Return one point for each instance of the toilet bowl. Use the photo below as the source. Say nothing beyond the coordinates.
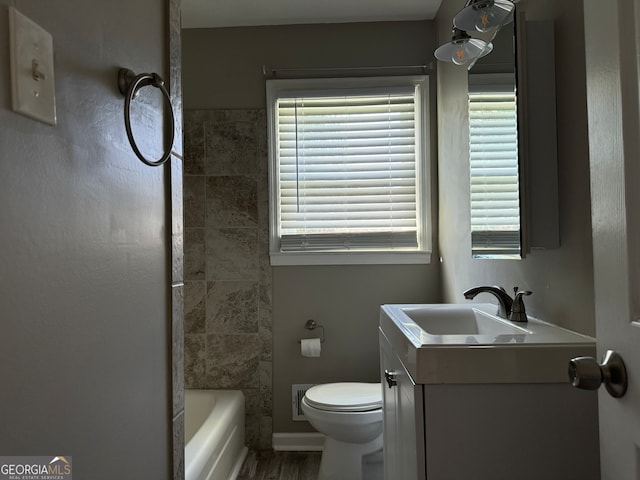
(350, 417)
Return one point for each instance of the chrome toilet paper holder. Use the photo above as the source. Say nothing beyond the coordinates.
(312, 325)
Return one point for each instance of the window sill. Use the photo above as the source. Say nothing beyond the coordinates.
(349, 258)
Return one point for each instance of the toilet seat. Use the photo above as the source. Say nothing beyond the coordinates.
(345, 397)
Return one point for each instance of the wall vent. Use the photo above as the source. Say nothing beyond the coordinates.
(297, 392)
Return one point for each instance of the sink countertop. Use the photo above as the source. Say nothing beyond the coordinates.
(538, 353)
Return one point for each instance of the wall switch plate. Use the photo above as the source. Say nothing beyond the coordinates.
(32, 87)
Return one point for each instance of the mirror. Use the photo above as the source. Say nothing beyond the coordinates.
(493, 151)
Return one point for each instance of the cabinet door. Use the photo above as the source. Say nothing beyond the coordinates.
(389, 410)
(403, 419)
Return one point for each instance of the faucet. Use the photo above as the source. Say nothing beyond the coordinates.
(512, 309)
(518, 313)
(505, 303)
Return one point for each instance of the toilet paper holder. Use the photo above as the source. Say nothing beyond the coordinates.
(312, 325)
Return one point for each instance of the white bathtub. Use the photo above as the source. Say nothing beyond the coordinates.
(214, 434)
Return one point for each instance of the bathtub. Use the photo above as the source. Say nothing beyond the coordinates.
(213, 434)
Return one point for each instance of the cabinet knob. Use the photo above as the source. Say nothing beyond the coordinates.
(588, 374)
(390, 377)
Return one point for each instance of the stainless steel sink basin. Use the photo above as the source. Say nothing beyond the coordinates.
(453, 319)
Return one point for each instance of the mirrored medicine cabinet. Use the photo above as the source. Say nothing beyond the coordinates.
(512, 143)
(493, 151)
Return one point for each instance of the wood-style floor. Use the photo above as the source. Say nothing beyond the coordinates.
(271, 465)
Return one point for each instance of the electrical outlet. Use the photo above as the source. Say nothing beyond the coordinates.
(32, 87)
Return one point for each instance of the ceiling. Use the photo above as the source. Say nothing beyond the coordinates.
(235, 13)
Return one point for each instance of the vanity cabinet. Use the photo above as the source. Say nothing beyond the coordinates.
(403, 418)
(485, 431)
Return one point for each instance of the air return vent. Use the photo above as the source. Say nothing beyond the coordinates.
(297, 392)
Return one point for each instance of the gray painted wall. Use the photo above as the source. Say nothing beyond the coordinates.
(85, 281)
(222, 68)
(561, 279)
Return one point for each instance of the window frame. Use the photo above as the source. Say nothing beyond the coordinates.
(278, 87)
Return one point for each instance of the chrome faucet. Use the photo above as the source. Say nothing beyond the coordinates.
(512, 309)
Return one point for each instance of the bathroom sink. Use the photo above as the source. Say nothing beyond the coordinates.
(453, 319)
(468, 343)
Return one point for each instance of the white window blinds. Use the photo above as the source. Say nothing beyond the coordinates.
(347, 170)
(493, 143)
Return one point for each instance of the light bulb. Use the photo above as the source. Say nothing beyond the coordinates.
(485, 20)
(484, 15)
(467, 50)
(462, 49)
(460, 55)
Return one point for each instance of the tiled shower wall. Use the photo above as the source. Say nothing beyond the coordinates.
(227, 302)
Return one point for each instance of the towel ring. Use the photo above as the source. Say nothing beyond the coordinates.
(129, 84)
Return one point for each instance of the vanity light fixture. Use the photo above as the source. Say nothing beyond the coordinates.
(476, 16)
(484, 15)
(462, 48)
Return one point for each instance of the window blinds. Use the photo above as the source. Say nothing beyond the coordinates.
(493, 144)
(347, 171)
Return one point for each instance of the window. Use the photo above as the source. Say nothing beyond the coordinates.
(493, 153)
(348, 168)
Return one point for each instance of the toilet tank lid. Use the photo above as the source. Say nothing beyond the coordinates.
(346, 396)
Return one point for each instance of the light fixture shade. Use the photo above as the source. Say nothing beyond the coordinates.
(484, 15)
(462, 48)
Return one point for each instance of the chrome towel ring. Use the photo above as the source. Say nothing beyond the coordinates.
(129, 84)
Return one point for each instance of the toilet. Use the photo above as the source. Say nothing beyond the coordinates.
(350, 416)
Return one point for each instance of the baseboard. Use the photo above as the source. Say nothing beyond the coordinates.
(298, 442)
